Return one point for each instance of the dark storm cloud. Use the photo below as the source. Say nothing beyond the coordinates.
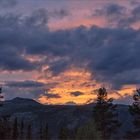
(37, 18)
(118, 15)
(111, 54)
(7, 3)
(16, 34)
(110, 10)
(117, 57)
(76, 93)
(61, 13)
(59, 66)
(131, 18)
(10, 60)
(25, 84)
(24, 93)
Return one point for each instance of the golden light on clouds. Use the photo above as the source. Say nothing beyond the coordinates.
(71, 81)
(127, 89)
(77, 80)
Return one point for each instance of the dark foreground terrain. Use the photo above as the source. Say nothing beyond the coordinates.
(58, 116)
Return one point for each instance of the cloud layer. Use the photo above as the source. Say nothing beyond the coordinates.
(105, 51)
(109, 53)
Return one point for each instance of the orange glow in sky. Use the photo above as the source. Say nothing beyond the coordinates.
(77, 80)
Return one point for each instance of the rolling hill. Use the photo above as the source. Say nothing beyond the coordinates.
(57, 116)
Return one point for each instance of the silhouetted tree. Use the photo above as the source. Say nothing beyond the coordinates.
(2, 129)
(41, 132)
(88, 131)
(135, 111)
(45, 132)
(29, 132)
(63, 134)
(7, 127)
(105, 115)
(67, 134)
(15, 134)
(22, 129)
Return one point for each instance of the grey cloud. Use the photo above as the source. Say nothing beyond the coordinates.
(10, 60)
(110, 10)
(76, 93)
(113, 13)
(17, 91)
(106, 52)
(61, 13)
(15, 33)
(25, 89)
(59, 66)
(118, 15)
(24, 84)
(7, 3)
(38, 18)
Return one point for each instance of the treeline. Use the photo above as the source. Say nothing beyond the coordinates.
(17, 130)
(104, 124)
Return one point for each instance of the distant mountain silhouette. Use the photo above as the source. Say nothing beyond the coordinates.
(20, 100)
(58, 115)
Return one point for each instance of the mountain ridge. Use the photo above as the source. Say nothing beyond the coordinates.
(58, 116)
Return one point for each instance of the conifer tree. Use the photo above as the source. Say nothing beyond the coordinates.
(63, 134)
(2, 129)
(41, 132)
(88, 131)
(45, 132)
(7, 127)
(22, 130)
(29, 132)
(105, 115)
(135, 112)
(15, 134)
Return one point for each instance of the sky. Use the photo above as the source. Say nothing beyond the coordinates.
(60, 52)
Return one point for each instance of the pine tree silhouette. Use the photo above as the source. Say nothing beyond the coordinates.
(45, 132)
(104, 114)
(135, 111)
(63, 134)
(7, 127)
(2, 129)
(41, 132)
(29, 132)
(22, 130)
(15, 130)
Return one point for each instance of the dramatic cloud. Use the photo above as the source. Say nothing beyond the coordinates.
(109, 53)
(49, 95)
(111, 10)
(59, 13)
(8, 3)
(119, 16)
(10, 60)
(25, 84)
(76, 93)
